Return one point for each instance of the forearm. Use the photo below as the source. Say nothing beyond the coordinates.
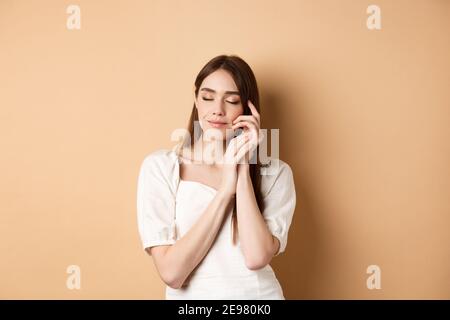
(182, 257)
(257, 242)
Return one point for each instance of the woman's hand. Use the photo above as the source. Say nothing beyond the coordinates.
(231, 158)
(241, 148)
(251, 125)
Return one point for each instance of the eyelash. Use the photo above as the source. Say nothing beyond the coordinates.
(237, 102)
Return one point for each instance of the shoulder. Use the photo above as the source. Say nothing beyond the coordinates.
(162, 161)
(276, 174)
(159, 169)
(159, 158)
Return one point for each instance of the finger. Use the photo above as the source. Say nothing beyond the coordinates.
(246, 118)
(240, 141)
(253, 110)
(250, 129)
(235, 145)
(245, 150)
(250, 139)
(240, 154)
(242, 124)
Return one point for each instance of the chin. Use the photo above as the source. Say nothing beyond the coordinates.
(218, 133)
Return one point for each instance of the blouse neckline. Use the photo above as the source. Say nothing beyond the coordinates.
(177, 159)
(214, 190)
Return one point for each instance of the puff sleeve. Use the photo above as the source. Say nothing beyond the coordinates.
(279, 202)
(155, 203)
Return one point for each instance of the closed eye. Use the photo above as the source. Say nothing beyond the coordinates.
(232, 102)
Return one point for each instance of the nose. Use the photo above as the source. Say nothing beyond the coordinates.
(218, 109)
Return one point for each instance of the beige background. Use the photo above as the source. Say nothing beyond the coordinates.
(364, 120)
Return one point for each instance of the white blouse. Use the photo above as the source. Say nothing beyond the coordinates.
(167, 207)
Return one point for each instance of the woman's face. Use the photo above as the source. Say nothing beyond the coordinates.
(218, 102)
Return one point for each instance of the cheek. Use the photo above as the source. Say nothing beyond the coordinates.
(201, 109)
(236, 113)
(203, 113)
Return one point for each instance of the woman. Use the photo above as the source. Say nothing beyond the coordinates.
(212, 227)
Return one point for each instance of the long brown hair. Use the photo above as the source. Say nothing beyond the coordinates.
(245, 81)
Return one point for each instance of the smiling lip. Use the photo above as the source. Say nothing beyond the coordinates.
(217, 124)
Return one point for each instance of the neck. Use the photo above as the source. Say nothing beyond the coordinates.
(209, 152)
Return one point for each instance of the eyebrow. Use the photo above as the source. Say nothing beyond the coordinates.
(214, 91)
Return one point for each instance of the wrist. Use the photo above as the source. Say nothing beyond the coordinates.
(243, 179)
(244, 171)
(227, 192)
